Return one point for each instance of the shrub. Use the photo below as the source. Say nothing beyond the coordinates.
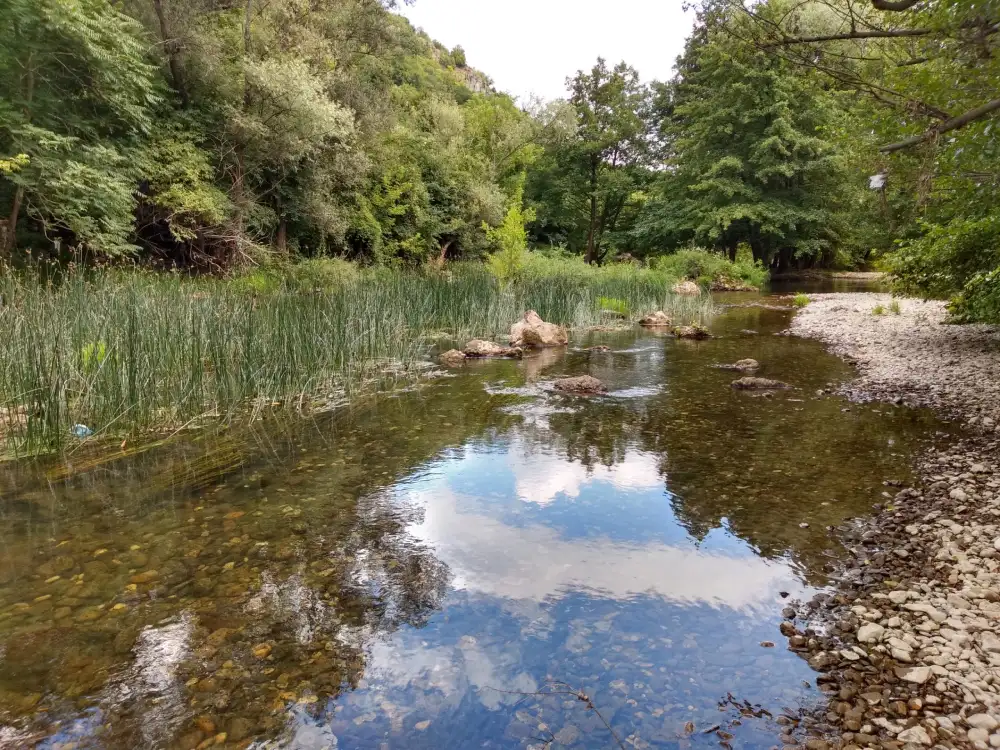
(707, 267)
(800, 300)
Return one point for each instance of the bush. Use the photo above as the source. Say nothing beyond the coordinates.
(313, 274)
(708, 268)
(800, 300)
(960, 259)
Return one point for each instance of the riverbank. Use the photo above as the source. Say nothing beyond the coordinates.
(907, 641)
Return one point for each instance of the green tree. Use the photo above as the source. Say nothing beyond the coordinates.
(76, 96)
(590, 177)
(749, 159)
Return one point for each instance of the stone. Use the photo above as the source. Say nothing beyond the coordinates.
(758, 384)
(958, 494)
(687, 288)
(532, 331)
(978, 735)
(452, 358)
(743, 365)
(899, 597)
(870, 632)
(659, 319)
(262, 650)
(788, 629)
(480, 348)
(916, 675)
(420, 726)
(584, 384)
(917, 735)
(982, 721)
(924, 608)
(989, 642)
(695, 332)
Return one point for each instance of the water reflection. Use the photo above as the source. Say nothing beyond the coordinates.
(413, 572)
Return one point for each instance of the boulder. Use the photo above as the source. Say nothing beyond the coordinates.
(695, 332)
(758, 384)
(531, 330)
(582, 384)
(744, 365)
(659, 319)
(688, 288)
(452, 358)
(480, 348)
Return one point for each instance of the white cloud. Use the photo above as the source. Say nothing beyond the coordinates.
(531, 46)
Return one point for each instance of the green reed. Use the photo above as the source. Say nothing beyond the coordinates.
(128, 353)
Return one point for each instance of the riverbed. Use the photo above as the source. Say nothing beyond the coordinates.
(475, 562)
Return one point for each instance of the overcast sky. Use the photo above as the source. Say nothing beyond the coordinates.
(530, 46)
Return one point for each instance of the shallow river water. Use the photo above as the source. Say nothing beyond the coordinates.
(445, 567)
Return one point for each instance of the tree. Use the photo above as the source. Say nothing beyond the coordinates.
(748, 161)
(77, 97)
(589, 177)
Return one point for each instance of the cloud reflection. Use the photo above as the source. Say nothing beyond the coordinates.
(535, 562)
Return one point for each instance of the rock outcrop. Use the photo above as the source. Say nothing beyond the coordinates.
(659, 319)
(480, 348)
(687, 288)
(695, 332)
(452, 358)
(584, 384)
(532, 331)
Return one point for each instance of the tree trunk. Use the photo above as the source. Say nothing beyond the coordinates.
(172, 49)
(282, 239)
(592, 233)
(9, 239)
(444, 252)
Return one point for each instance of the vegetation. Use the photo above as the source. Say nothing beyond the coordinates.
(126, 353)
(800, 300)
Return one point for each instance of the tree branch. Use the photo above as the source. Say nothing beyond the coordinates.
(894, 5)
(870, 34)
(948, 125)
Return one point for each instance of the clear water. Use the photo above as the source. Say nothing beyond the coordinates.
(449, 566)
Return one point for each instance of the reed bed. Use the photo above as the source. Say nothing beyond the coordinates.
(137, 353)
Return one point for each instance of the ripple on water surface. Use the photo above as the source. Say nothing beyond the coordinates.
(447, 567)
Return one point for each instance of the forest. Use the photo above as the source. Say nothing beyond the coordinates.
(220, 135)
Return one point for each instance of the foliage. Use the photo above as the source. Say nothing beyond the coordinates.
(894, 307)
(878, 310)
(800, 300)
(751, 163)
(131, 352)
(589, 183)
(706, 266)
(511, 241)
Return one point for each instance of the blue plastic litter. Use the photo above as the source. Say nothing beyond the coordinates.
(81, 431)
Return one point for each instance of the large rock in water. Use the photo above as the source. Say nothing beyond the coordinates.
(581, 384)
(531, 330)
(480, 348)
(759, 384)
(659, 319)
(452, 358)
(743, 365)
(688, 288)
(696, 332)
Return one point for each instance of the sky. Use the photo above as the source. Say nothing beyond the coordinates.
(529, 47)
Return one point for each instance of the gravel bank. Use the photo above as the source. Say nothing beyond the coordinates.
(908, 642)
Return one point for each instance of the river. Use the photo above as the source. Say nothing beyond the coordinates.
(455, 564)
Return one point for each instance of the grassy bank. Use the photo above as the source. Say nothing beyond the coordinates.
(130, 353)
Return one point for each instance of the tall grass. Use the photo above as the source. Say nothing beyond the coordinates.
(136, 352)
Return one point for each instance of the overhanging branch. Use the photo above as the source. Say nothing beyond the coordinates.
(945, 127)
(894, 5)
(847, 35)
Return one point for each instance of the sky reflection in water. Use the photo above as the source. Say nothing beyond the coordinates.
(419, 576)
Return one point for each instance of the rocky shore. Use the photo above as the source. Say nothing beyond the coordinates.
(908, 641)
